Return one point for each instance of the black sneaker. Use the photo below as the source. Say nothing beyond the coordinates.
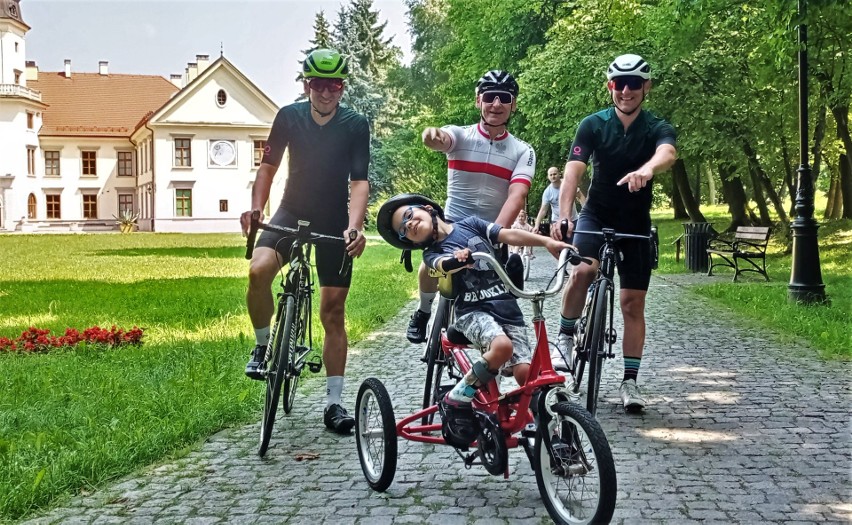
(258, 355)
(416, 332)
(337, 419)
(459, 427)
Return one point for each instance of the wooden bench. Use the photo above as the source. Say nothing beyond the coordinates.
(748, 245)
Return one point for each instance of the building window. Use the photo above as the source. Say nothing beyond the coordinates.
(125, 164)
(221, 97)
(31, 207)
(30, 120)
(51, 163)
(259, 147)
(183, 203)
(125, 203)
(90, 206)
(90, 165)
(223, 205)
(183, 153)
(17, 77)
(53, 206)
(30, 161)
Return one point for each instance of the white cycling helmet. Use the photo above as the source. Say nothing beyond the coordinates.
(628, 65)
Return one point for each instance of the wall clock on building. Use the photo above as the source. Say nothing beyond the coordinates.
(222, 153)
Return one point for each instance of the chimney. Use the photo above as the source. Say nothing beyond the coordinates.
(67, 68)
(103, 67)
(203, 61)
(32, 70)
(177, 80)
(191, 71)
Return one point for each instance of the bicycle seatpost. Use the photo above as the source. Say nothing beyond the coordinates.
(252, 234)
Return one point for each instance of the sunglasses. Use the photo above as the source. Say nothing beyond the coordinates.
(407, 215)
(505, 97)
(632, 83)
(333, 85)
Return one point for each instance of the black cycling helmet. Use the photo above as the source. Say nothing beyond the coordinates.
(384, 221)
(497, 80)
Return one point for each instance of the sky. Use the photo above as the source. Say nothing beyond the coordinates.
(263, 38)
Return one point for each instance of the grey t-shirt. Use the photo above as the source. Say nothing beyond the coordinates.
(551, 196)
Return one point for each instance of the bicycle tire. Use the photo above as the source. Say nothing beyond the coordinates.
(275, 369)
(577, 479)
(596, 340)
(296, 336)
(375, 434)
(434, 359)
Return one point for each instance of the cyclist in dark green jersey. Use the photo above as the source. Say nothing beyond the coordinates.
(329, 152)
(627, 146)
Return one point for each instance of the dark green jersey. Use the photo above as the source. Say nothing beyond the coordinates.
(322, 161)
(614, 153)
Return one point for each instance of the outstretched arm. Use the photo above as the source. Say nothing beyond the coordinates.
(662, 160)
(525, 238)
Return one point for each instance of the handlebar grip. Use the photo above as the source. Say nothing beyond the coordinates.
(563, 228)
(346, 265)
(252, 234)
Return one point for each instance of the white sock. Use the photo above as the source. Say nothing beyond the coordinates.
(262, 335)
(334, 390)
(426, 301)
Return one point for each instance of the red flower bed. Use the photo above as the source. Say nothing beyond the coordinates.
(37, 340)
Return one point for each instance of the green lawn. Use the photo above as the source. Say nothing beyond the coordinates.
(826, 327)
(74, 419)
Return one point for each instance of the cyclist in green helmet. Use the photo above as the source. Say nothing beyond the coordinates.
(329, 152)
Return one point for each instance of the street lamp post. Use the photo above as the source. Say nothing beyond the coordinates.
(805, 276)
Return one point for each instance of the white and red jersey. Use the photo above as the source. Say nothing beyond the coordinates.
(480, 171)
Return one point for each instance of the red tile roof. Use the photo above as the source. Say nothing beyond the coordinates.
(91, 104)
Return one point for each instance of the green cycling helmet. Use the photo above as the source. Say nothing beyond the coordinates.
(325, 63)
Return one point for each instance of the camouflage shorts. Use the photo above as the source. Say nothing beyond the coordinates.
(480, 328)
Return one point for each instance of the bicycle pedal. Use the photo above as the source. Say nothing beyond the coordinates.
(314, 365)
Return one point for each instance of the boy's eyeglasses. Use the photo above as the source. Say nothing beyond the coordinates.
(504, 96)
(632, 83)
(333, 85)
(407, 215)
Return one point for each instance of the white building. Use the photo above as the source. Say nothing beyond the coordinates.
(77, 149)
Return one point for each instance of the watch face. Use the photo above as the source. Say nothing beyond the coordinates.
(222, 153)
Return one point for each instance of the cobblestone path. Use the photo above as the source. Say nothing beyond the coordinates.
(742, 427)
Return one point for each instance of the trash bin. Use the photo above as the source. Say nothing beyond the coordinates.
(696, 236)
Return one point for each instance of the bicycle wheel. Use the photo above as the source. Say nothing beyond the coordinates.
(295, 339)
(595, 341)
(375, 434)
(435, 358)
(577, 478)
(276, 369)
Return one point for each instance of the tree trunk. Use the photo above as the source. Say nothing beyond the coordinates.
(832, 191)
(732, 189)
(711, 184)
(846, 185)
(841, 117)
(681, 179)
(816, 151)
(837, 199)
(759, 177)
(677, 203)
(789, 180)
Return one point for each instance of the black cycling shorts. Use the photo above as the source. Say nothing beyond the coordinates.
(328, 256)
(634, 267)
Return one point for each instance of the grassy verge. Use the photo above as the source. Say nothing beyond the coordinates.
(826, 327)
(74, 419)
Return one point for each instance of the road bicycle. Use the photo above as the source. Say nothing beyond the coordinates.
(594, 334)
(565, 445)
(290, 339)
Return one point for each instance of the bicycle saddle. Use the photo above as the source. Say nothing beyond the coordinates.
(456, 337)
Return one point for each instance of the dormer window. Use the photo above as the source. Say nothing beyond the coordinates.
(221, 98)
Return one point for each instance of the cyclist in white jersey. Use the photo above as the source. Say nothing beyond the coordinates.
(489, 172)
